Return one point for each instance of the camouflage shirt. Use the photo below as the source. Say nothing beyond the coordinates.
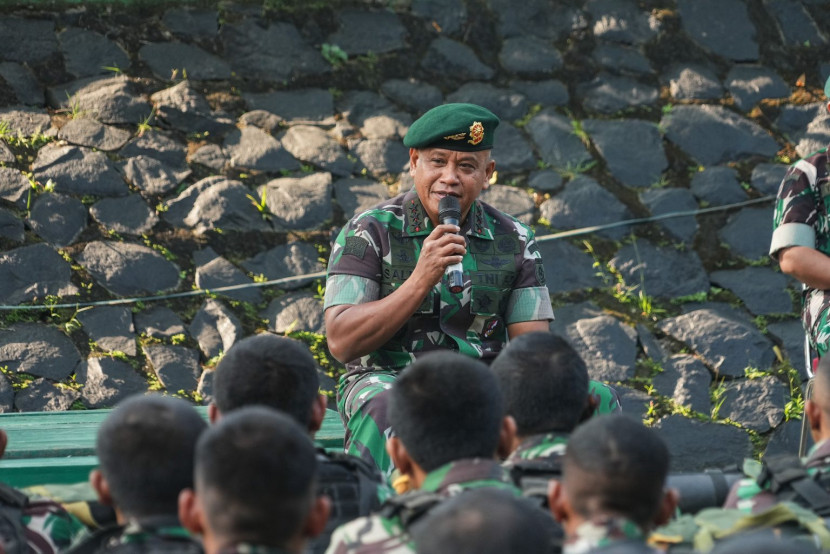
(47, 527)
(504, 280)
(535, 447)
(377, 534)
(244, 548)
(152, 534)
(603, 534)
(802, 219)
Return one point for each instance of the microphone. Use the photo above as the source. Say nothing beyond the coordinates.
(449, 213)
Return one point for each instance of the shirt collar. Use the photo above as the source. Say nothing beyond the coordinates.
(462, 472)
(417, 222)
(601, 532)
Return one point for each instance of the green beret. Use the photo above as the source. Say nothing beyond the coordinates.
(464, 127)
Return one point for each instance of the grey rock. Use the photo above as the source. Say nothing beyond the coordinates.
(189, 22)
(219, 272)
(536, 17)
(554, 138)
(159, 322)
(512, 201)
(757, 404)
(23, 82)
(128, 269)
(6, 395)
(622, 59)
(750, 84)
(731, 34)
(25, 120)
(551, 92)
(111, 327)
(215, 328)
(583, 203)
(44, 396)
(87, 53)
(633, 149)
(382, 157)
(107, 99)
(576, 274)
(58, 219)
(105, 382)
(299, 204)
(546, 180)
(415, 95)
(608, 94)
(786, 438)
(690, 443)
(450, 15)
(693, 82)
(275, 53)
(296, 311)
(505, 103)
(717, 186)
(448, 57)
(296, 107)
(766, 178)
(186, 110)
(668, 200)
(211, 156)
(38, 350)
(512, 152)
(162, 147)
(31, 272)
(170, 59)
(315, 146)
(84, 131)
(215, 202)
(791, 335)
(529, 56)
(11, 226)
(287, 260)
(206, 385)
(386, 124)
(129, 215)
(262, 119)
(762, 290)
(748, 232)
(816, 137)
(686, 381)
(713, 134)
(176, 367)
(651, 346)
(660, 272)
(14, 186)
(77, 170)
(149, 175)
(793, 120)
(387, 32)
(795, 25)
(6, 155)
(358, 195)
(27, 40)
(724, 338)
(634, 403)
(252, 148)
(356, 106)
(622, 21)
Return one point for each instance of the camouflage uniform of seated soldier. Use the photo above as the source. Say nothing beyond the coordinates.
(447, 411)
(255, 489)
(612, 493)
(33, 525)
(751, 497)
(145, 452)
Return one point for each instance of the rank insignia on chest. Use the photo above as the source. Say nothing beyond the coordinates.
(495, 261)
(490, 327)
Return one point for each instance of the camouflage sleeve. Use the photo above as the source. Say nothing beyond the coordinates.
(530, 299)
(370, 534)
(355, 263)
(55, 528)
(349, 289)
(795, 209)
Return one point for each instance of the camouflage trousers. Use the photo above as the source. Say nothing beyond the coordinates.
(362, 401)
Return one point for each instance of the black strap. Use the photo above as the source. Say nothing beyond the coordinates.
(410, 507)
(10, 496)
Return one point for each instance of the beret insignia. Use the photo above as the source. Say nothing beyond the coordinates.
(476, 133)
(457, 136)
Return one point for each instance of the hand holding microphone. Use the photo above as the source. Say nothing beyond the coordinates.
(449, 213)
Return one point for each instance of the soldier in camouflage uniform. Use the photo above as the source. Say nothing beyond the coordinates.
(385, 304)
(255, 490)
(801, 239)
(447, 413)
(32, 525)
(612, 490)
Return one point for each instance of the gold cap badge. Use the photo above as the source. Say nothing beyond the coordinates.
(476, 133)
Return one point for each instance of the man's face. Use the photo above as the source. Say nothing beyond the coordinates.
(438, 173)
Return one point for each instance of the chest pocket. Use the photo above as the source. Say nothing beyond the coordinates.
(488, 300)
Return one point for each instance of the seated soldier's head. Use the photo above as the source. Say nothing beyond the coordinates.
(817, 407)
(269, 370)
(446, 407)
(254, 484)
(145, 454)
(613, 468)
(544, 382)
(486, 521)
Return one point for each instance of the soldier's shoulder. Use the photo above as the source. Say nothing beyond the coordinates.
(505, 220)
(373, 533)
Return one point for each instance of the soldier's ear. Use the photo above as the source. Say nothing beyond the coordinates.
(668, 506)
(213, 414)
(4, 440)
(557, 502)
(413, 160)
(318, 413)
(190, 512)
(507, 437)
(400, 456)
(591, 404)
(101, 487)
(318, 516)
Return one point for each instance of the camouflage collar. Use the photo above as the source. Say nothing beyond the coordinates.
(543, 445)
(819, 455)
(168, 527)
(244, 548)
(417, 222)
(600, 532)
(470, 472)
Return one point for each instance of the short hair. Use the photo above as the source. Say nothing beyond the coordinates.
(255, 476)
(446, 407)
(614, 464)
(267, 370)
(486, 521)
(145, 452)
(544, 382)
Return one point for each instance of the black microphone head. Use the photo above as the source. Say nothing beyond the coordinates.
(449, 208)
